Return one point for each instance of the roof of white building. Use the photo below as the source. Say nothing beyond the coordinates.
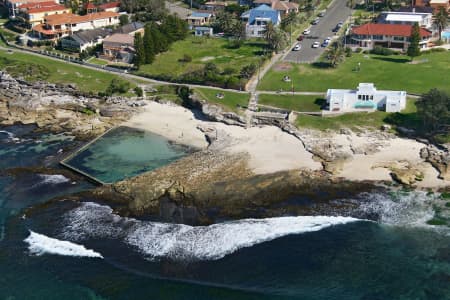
(438, 1)
(402, 17)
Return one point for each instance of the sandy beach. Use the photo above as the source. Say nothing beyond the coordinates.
(271, 150)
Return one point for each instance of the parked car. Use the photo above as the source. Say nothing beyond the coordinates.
(300, 38)
(297, 47)
(306, 31)
(325, 43)
(328, 39)
(315, 21)
(322, 13)
(316, 45)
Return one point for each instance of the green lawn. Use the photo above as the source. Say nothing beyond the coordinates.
(203, 50)
(41, 68)
(407, 118)
(387, 72)
(231, 100)
(96, 61)
(305, 103)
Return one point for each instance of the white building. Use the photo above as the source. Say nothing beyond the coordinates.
(407, 18)
(257, 19)
(365, 97)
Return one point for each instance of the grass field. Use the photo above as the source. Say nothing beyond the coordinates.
(387, 72)
(231, 101)
(407, 118)
(304, 103)
(86, 80)
(203, 50)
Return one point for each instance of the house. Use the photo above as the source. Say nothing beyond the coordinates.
(34, 13)
(284, 7)
(108, 6)
(365, 97)
(387, 35)
(203, 31)
(13, 5)
(131, 28)
(257, 19)
(214, 5)
(198, 19)
(424, 20)
(119, 47)
(417, 9)
(57, 26)
(437, 4)
(81, 40)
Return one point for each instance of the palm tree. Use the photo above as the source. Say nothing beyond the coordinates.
(335, 54)
(441, 20)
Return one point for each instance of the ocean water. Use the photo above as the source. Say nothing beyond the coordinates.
(125, 152)
(68, 250)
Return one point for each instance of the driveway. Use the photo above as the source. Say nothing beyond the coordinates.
(338, 11)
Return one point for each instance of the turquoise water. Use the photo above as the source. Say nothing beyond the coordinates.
(399, 257)
(125, 152)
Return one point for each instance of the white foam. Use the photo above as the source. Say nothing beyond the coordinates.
(40, 244)
(9, 134)
(400, 208)
(183, 242)
(53, 179)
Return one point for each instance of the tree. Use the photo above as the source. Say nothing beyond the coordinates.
(441, 20)
(248, 71)
(123, 19)
(139, 57)
(238, 32)
(335, 54)
(434, 109)
(275, 37)
(148, 44)
(414, 40)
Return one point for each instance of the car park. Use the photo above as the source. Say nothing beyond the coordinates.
(315, 45)
(306, 31)
(297, 47)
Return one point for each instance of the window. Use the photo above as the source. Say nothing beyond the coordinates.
(371, 97)
(377, 37)
(398, 38)
(359, 97)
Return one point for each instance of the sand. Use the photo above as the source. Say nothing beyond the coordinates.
(271, 150)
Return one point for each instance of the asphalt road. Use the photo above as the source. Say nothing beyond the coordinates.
(338, 11)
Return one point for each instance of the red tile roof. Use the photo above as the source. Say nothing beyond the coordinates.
(36, 4)
(109, 5)
(388, 29)
(90, 5)
(72, 19)
(46, 8)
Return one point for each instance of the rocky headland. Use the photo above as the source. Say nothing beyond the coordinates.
(238, 172)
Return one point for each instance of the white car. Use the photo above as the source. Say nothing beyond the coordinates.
(328, 39)
(297, 47)
(316, 45)
(306, 31)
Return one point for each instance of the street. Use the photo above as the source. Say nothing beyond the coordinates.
(338, 11)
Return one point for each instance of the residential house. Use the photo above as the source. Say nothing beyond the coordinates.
(214, 5)
(119, 47)
(108, 6)
(34, 13)
(437, 4)
(284, 7)
(387, 35)
(416, 9)
(365, 97)
(257, 19)
(199, 19)
(424, 20)
(13, 5)
(203, 31)
(81, 40)
(131, 28)
(57, 26)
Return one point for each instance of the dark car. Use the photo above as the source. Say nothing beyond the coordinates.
(315, 21)
(300, 38)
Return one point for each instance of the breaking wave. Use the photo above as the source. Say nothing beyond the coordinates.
(9, 134)
(183, 242)
(40, 244)
(53, 179)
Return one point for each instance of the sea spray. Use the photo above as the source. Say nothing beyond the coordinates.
(40, 244)
(183, 242)
(53, 179)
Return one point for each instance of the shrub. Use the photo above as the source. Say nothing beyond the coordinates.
(382, 51)
(186, 58)
(228, 71)
(138, 91)
(117, 86)
(348, 51)
(248, 71)
(358, 50)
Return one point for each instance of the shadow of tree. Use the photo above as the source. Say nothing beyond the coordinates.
(391, 59)
(321, 65)
(320, 102)
(409, 120)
